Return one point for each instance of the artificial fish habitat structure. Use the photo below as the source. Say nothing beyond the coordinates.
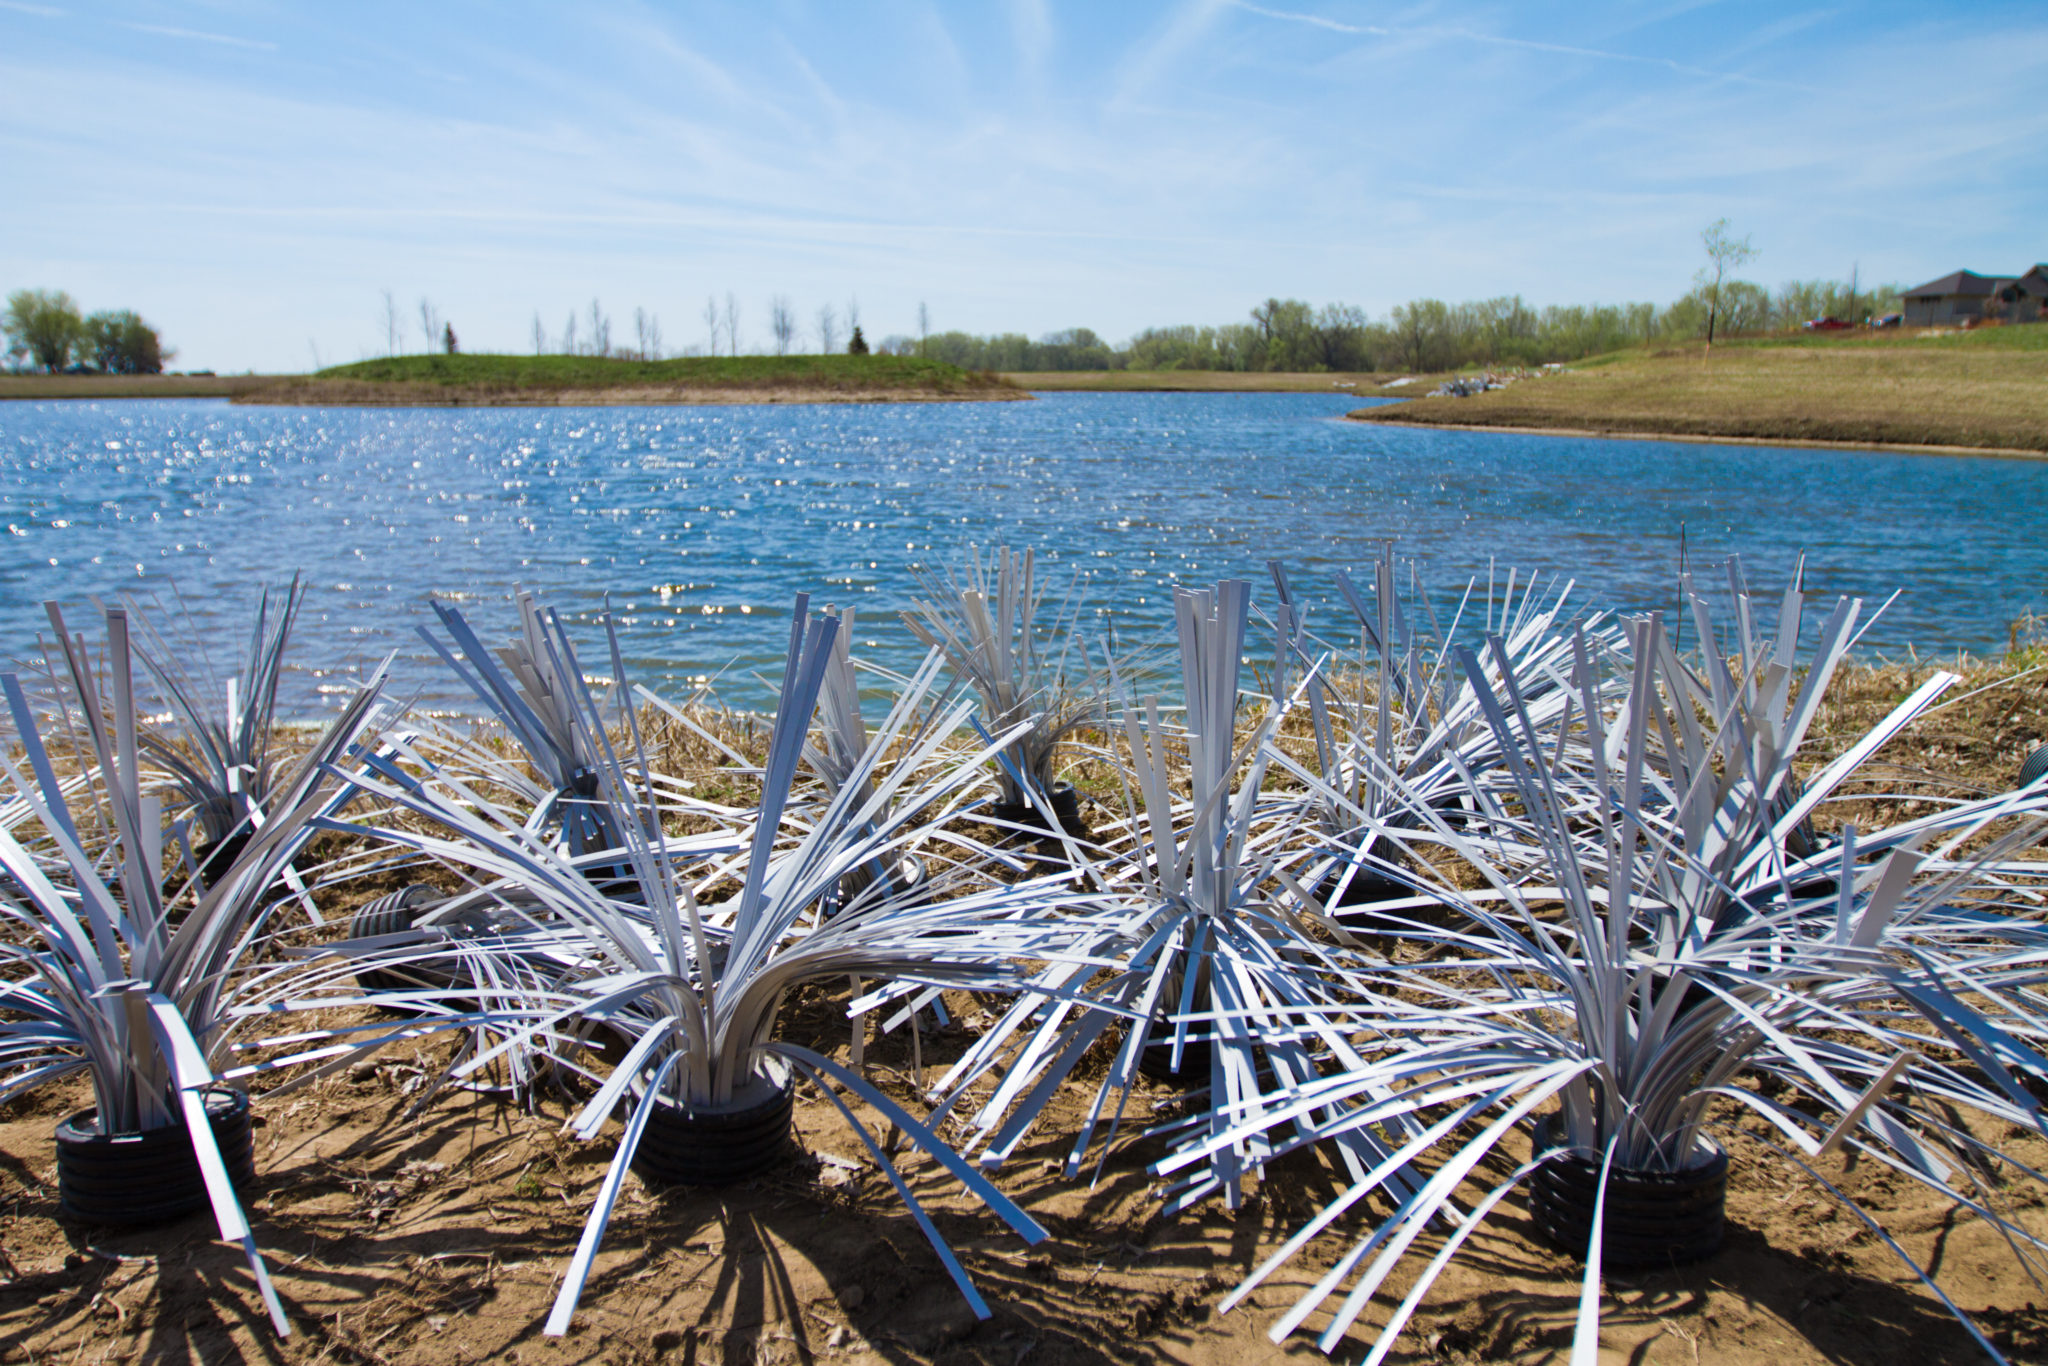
(1524, 909)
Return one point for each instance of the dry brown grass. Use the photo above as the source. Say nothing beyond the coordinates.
(129, 386)
(1904, 393)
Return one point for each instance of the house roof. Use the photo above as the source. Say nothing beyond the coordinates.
(1965, 282)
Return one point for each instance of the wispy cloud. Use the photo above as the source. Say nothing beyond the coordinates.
(1312, 20)
(1444, 34)
(1166, 46)
(1023, 166)
(195, 35)
(1032, 30)
(1772, 34)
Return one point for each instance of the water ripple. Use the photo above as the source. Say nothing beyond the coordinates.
(702, 522)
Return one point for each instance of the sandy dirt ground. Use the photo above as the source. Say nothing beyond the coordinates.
(441, 1238)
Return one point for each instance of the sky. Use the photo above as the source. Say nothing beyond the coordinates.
(253, 177)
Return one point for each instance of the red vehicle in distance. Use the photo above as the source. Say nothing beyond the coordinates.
(1827, 325)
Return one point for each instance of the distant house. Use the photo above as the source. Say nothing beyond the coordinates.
(1967, 296)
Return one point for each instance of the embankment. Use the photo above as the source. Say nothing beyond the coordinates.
(547, 381)
(1980, 392)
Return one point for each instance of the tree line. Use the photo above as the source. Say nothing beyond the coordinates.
(46, 330)
(1279, 334)
(1425, 334)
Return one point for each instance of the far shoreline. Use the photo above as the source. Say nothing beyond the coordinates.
(319, 394)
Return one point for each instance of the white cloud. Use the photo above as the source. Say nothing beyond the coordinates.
(1026, 168)
(195, 35)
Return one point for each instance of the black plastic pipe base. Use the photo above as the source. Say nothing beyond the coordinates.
(1652, 1218)
(717, 1147)
(1155, 1060)
(393, 913)
(2033, 766)
(151, 1177)
(908, 874)
(1066, 807)
(1355, 905)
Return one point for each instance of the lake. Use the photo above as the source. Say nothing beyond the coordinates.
(702, 522)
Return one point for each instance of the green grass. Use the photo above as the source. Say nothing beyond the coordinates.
(596, 372)
(2031, 337)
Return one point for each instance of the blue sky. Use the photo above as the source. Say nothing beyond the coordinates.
(251, 177)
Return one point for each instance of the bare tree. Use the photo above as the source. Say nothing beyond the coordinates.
(853, 315)
(640, 333)
(540, 335)
(1724, 253)
(600, 331)
(430, 324)
(924, 327)
(782, 322)
(392, 324)
(711, 320)
(569, 334)
(653, 337)
(828, 330)
(732, 323)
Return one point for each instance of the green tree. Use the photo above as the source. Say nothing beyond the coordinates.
(43, 324)
(1724, 253)
(1339, 337)
(1423, 331)
(1174, 348)
(121, 343)
(859, 345)
(1287, 331)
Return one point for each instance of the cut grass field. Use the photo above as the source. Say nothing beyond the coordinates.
(486, 381)
(1975, 391)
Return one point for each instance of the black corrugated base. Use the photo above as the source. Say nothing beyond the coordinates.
(150, 1177)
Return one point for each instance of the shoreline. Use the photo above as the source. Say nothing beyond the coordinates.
(1369, 417)
(89, 388)
(302, 395)
(1361, 384)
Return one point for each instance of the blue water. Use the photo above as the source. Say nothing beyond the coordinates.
(703, 522)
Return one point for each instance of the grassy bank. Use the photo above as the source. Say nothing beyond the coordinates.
(484, 380)
(129, 386)
(1985, 391)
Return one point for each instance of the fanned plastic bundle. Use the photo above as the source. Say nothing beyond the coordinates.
(101, 978)
(691, 993)
(1672, 948)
